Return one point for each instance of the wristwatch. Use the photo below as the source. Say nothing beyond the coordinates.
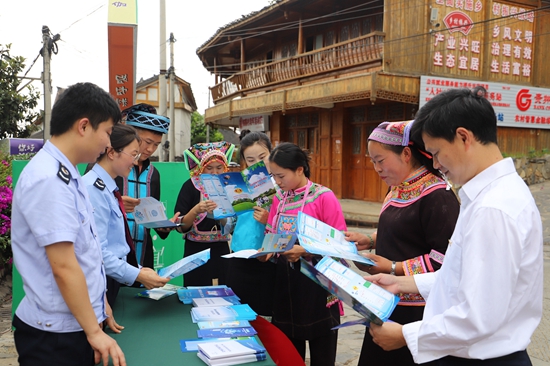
(392, 272)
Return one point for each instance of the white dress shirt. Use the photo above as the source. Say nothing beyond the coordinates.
(486, 300)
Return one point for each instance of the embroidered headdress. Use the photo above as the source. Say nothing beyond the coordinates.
(145, 116)
(392, 133)
(198, 156)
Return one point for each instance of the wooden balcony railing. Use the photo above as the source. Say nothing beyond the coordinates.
(347, 54)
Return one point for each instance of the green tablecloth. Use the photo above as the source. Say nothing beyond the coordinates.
(153, 330)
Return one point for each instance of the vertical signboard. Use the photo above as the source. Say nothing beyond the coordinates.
(476, 39)
(457, 41)
(122, 38)
(510, 38)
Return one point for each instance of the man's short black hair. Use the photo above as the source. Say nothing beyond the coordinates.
(455, 108)
(83, 100)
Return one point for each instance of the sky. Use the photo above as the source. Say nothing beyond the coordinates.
(82, 51)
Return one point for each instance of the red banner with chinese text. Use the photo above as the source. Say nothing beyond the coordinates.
(122, 63)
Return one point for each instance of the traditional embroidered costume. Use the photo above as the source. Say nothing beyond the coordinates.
(144, 181)
(416, 221)
(205, 232)
(302, 309)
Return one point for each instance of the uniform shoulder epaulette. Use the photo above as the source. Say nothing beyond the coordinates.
(64, 174)
(99, 184)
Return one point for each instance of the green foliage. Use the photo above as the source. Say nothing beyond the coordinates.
(6, 196)
(16, 108)
(198, 130)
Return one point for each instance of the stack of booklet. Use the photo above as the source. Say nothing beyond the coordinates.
(231, 352)
(186, 295)
(225, 336)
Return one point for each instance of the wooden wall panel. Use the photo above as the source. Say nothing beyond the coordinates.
(275, 127)
(405, 46)
(522, 141)
(337, 147)
(541, 74)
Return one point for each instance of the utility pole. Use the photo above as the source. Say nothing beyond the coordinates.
(172, 130)
(162, 76)
(46, 80)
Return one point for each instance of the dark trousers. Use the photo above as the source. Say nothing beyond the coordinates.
(322, 350)
(520, 358)
(112, 290)
(37, 347)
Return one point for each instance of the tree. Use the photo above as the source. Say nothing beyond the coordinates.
(198, 130)
(16, 108)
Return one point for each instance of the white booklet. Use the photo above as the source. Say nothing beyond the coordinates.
(230, 348)
(152, 214)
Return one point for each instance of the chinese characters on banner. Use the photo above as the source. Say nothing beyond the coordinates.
(511, 42)
(122, 35)
(459, 42)
(514, 105)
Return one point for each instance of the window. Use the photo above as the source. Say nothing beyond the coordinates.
(344, 33)
(355, 30)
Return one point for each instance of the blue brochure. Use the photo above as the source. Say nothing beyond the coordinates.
(319, 238)
(272, 243)
(238, 192)
(224, 324)
(371, 301)
(231, 332)
(219, 313)
(191, 345)
(186, 295)
(185, 265)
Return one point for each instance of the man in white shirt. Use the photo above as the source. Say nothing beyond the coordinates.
(485, 302)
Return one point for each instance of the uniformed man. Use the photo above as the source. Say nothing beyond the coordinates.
(54, 240)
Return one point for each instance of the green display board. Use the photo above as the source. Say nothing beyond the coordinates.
(167, 251)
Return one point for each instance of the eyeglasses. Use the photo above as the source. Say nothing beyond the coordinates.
(136, 157)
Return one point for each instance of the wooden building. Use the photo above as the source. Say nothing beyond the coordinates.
(324, 73)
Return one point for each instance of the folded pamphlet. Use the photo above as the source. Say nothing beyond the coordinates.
(160, 293)
(371, 301)
(272, 243)
(238, 192)
(319, 238)
(151, 214)
(185, 264)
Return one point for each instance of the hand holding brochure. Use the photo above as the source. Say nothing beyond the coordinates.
(319, 238)
(273, 243)
(371, 301)
(237, 192)
(151, 214)
(185, 265)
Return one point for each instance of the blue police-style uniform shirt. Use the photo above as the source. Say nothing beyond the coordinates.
(110, 225)
(51, 205)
